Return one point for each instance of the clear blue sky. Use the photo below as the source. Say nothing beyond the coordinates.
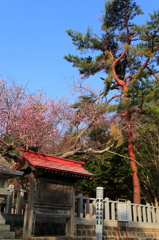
(33, 39)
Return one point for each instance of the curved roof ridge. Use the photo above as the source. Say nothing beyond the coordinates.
(44, 154)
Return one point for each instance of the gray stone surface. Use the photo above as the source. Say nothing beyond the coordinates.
(7, 235)
(2, 220)
(4, 227)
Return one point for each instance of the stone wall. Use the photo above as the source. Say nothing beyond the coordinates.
(43, 227)
(86, 228)
(113, 230)
(16, 223)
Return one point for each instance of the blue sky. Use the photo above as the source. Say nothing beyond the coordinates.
(33, 40)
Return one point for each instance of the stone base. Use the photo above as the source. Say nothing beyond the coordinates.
(61, 238)
(4, 228)
(7, 235)
(5, 232)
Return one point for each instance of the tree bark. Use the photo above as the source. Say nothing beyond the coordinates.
(133, 164)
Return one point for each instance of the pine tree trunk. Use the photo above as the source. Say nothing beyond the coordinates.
(133, 165)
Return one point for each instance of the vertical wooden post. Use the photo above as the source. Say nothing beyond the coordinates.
(71, 223)
(28, 217)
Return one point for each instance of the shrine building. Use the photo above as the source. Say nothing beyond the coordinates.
(50, 182)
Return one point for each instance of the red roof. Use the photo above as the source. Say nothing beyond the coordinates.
(49, 162)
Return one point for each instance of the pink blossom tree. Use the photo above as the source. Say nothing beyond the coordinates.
(49, 125)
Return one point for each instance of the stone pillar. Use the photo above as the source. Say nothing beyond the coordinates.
(10, 199)
(20, 201)
(80, 206)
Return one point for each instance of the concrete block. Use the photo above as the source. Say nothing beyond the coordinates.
(7, 235)
(4, 227)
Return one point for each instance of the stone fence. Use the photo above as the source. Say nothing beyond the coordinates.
(143, 221)
(138, 213)
(86, 208)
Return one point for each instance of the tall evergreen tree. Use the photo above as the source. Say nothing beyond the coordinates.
(147, 146)
(128, 55)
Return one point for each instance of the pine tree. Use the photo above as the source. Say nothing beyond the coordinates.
(128, 55)
(147, 146)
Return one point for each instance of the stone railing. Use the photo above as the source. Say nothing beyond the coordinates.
(86, 209)
(15, 202)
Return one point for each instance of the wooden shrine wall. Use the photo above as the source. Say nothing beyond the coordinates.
(52, 193)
